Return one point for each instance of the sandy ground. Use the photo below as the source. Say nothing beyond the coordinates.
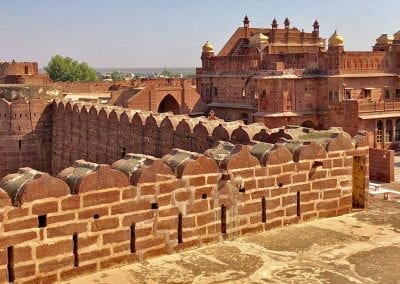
(362, 247)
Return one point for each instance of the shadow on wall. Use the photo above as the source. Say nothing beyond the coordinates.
(25, 135)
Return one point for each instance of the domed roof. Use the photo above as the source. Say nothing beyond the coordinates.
(385, 39)
(207, 47)
(259, 38)
(336, 39)
(397, 36)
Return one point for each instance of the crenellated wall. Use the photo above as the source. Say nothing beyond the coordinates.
(93, 216)
(25, 135)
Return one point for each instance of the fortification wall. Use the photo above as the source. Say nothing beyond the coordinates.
(95, 216)
(25, 135)
(381, 165)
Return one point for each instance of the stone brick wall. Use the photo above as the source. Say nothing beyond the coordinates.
(93, 216)
(381, 163)
(25, 135)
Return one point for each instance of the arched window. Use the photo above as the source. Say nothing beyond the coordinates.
(379, 131)
(389, 131)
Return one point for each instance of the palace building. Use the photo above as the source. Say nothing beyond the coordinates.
(284, 75)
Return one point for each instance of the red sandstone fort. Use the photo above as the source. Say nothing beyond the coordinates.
(119, 172)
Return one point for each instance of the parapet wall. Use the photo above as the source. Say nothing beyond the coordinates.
(93, 216)
(103, 134)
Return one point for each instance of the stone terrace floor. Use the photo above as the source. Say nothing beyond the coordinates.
(362, 247)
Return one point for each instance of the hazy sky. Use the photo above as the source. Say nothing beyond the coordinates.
(157, 33)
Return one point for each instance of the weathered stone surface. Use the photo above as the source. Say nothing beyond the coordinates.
(84, 176)
(29, 185)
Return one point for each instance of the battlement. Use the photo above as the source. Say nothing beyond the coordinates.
(92, 216)
(103, 134)
(127, 185)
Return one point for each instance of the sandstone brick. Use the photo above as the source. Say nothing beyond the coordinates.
(212, 180)
(289, 200)
(94, 255)
(327, 205)
(164, 200)
(275, 214)
(188, 222)
(170, 223)
(66, 229)
(197, 181)
(22, 254)
(89, 213)
(24, 271)
(303, 166)
(279, 191)
(291, 167)
(17, 213)
(24, 224)
(328, 194)
(197, 207)
(249, 208)
(104, 224)
(204, 191)
(150, 243)
(284, 180)
(100, 197)
(274, 170)
(128, 193)
(134, 218)
(265, 182)
(56, 264)
(297, 178)
(345, 201)
(206, 218)
(324, 184)
(76, 271)
(17, 238)
(71, 203)
(165, 212)
(309, 196)
(182, 195)
(87, 241)
(250, 185)
(341, 172)
(147, 189)
(52, 249)
(116, 237)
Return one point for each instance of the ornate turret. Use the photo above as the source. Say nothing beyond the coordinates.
(274, 24)
(315, 32)
(286, 23)
(246, 24)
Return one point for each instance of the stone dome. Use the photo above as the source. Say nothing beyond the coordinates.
(385, 39)
(336, 39)
(207, 47)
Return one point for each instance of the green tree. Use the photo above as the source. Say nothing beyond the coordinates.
(167, 73)
(116, 76)
(67, 69)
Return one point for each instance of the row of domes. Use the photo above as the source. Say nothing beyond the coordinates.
(335, 40)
